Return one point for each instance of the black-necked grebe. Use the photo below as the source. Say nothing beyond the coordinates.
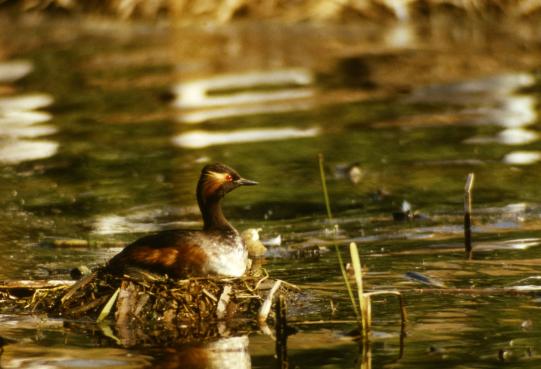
(216, 250)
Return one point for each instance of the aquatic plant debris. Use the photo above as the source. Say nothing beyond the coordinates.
(429, 281)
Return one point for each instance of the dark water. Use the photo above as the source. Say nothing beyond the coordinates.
(104, 128)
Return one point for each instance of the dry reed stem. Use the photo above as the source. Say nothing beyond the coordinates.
(364, 300)
(467, 215)
(265, 309)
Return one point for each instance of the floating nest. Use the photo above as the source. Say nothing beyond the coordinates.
(146, 299)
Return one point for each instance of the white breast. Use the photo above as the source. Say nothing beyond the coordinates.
(228, 259)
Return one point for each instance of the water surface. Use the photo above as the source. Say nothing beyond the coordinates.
(104, 128)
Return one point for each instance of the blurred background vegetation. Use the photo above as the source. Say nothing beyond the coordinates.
(222, 11)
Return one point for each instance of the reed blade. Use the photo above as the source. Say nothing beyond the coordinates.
(364, 302)
(336, 248)
(107, 308)
(324, 187)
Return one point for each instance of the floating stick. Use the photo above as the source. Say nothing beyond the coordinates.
(467, 215)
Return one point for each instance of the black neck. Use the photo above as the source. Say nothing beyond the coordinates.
(211, 210)
(213, 217)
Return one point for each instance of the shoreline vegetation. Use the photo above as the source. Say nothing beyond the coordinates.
(225, 11)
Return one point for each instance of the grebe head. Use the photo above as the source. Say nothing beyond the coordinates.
(218, 179)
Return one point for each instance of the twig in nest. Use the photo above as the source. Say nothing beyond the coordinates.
(263, 279)
(77, 286)
(267, 304)
(209, 295)
(221, 308)
(291, 286)
(91, 305)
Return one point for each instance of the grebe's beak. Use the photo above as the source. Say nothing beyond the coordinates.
(245, 182)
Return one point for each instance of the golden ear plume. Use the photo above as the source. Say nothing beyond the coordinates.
(213, 181)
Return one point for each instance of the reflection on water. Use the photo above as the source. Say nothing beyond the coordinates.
(482, 89)
(198, 116)
(491, 101)
(250, 93)
(25, 103)
(517, 136)
(20, 120)
(512, 111)
(39, 357)
(224, 353)
(17, 151)
(146, 220)
(11, 71)
(509, 136)
(223, 96)
(522, 157)
(53, 344)
(50, 346)
(198, 93)
(199, 139)
(494, 101)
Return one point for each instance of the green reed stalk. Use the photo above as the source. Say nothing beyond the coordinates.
(339, 256)
(324, 186)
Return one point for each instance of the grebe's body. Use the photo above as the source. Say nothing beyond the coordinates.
(180, 253)
(217, 249)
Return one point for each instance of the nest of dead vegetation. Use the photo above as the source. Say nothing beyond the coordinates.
(147, 298)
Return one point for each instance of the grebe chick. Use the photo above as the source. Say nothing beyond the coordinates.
(217, 249)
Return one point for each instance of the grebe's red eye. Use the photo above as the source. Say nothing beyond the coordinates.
(228, 178)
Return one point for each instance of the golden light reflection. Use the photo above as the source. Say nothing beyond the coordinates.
(200, 139)
(494, 101)
(10, 71)
(21, 121)
(239, 94)
(522, 157)
(143, 220)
